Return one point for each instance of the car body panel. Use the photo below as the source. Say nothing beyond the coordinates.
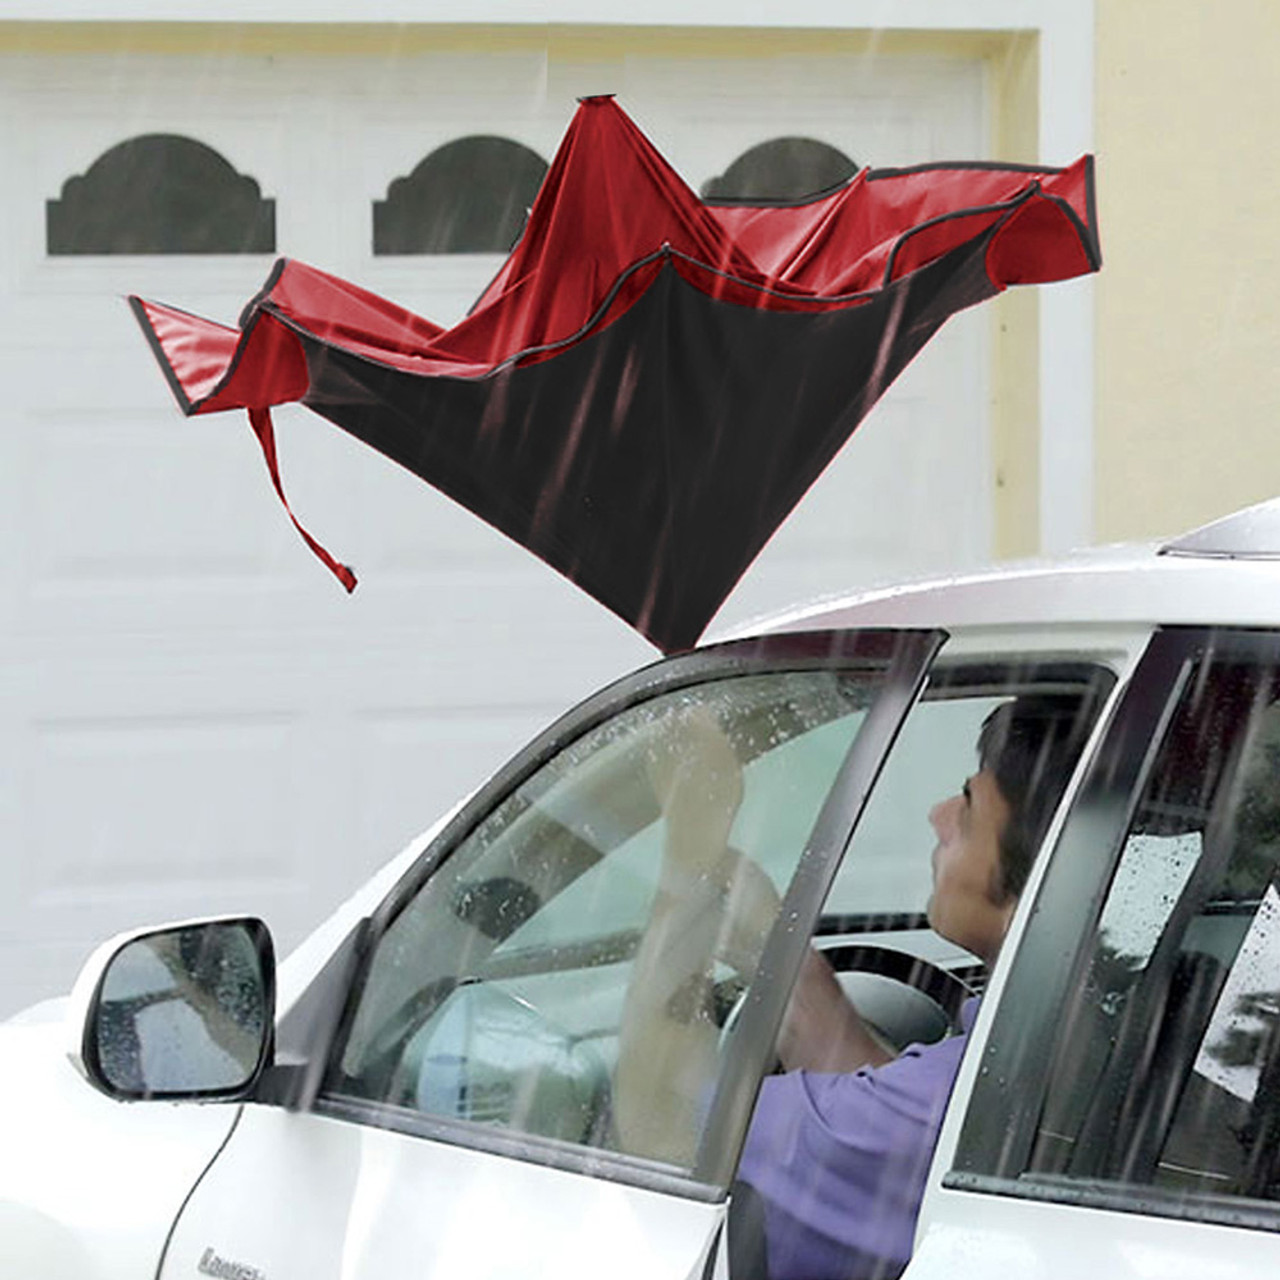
(353, 1202)
(992, 1236)
(1109, 587)
(89, 1187)
(317, 1194)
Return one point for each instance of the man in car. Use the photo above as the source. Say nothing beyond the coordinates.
(840, 1145)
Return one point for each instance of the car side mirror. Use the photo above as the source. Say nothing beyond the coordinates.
(183, 1011)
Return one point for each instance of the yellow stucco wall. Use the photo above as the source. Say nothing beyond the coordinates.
(1014, 75)
(1188, 303)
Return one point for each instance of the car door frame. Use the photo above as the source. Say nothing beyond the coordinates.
(312, 1032)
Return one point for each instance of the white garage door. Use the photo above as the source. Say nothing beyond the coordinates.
(193, 716)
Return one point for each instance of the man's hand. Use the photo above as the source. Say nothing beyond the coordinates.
(697, 779)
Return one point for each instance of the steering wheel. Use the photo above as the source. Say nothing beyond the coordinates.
(905, 999)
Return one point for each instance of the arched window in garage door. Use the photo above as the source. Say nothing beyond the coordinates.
(471, 195)
(160, 193)
(781, 169)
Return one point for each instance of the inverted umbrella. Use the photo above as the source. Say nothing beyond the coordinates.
(652, 381)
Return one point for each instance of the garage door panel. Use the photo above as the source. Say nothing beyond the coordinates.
(704, 113)
(86, 100)
(117, 513)
(458, 84)
(132, 819)
(407, 755)
(70, 297)
(157, 789)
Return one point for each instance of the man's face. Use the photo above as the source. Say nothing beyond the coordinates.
(966, 906)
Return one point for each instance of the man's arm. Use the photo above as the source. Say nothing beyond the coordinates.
(667, 1040)
(822, 1031)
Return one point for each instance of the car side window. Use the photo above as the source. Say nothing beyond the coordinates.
(1164, 1077)
(874, 925)
(568, 972)
(887, 871)
(1166, 1074)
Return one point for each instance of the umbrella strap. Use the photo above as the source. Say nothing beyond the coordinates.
(260, 421)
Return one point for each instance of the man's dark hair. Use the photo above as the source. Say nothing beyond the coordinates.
(1030, 745)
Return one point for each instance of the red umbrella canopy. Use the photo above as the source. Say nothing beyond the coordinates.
(652, 381)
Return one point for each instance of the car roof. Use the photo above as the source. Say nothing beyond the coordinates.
(1227, 572)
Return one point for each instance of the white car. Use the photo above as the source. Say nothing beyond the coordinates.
(444, 1080)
